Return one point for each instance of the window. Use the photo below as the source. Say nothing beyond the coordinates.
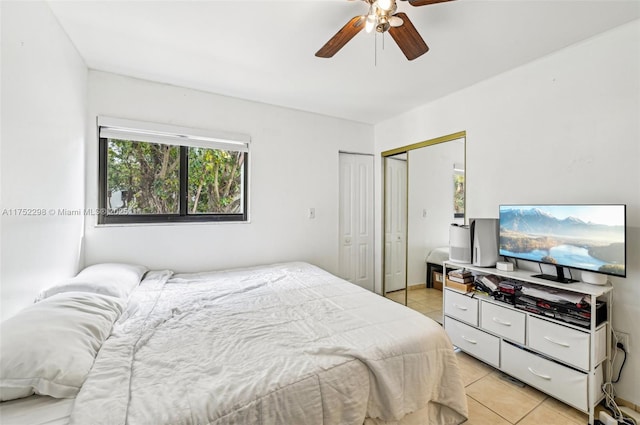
(152, 173)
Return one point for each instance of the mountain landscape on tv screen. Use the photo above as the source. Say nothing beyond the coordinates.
(537, 235)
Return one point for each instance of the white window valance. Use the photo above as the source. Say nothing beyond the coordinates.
(141, 131)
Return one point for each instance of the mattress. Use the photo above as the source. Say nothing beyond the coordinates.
(438, 255)
(36, 410)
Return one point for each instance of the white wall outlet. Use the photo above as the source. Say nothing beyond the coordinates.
(312, 213)
(624, 339)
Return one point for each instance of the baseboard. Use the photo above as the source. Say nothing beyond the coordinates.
(416, 286)
(629, 412)
(623, 402)
(629, 409)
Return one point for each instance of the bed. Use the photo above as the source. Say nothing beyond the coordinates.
(279, 344)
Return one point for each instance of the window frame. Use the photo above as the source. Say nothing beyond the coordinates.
(183, 215)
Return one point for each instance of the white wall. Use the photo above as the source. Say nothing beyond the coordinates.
(430, 188)
(563, 129)
(43, 126)
(293, 167)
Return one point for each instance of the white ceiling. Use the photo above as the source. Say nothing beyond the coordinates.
(264, 50)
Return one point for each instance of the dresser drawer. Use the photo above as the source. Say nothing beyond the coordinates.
(561, 382)
(480, 344)
(461, 307)
(503, 321)
(560, 342)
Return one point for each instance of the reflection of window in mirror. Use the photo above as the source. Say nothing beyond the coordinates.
(458, 191)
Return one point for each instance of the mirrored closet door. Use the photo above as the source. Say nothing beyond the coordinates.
(424, 192)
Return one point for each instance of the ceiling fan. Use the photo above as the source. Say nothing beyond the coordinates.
(383, 18)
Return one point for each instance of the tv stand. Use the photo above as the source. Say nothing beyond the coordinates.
(567, 361)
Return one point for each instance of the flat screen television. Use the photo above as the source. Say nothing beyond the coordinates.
(584, 237)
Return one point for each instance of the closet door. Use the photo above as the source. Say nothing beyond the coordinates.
(356, 219)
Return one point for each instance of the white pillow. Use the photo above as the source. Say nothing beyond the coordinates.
(115, 279)
(49, 347)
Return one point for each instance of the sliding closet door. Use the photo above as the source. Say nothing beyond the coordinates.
(356, 219)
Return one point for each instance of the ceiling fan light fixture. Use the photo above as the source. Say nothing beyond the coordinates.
(386, 5)
(383, 24)
(395, 21)
(370, 22)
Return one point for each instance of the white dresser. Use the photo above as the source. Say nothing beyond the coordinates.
(566, 361)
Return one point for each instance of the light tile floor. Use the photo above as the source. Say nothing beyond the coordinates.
(427, 301)
(492, 399)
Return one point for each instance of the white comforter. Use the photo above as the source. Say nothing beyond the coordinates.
(285, 344)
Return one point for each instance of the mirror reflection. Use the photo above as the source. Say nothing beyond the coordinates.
(395, 227)
(424, 194)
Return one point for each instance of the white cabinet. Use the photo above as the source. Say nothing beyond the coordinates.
(562, 359)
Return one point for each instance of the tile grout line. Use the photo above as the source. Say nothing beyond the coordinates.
(531, 411)
(493, 411)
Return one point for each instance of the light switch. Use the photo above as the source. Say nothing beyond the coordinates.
(312, 213)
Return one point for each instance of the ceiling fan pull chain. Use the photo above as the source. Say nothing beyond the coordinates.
(375, 49)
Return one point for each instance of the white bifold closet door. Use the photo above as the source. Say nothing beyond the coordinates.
(356, 219)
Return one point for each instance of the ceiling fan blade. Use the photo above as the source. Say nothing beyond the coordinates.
(342, 37)
(408, 39)
(426, 2)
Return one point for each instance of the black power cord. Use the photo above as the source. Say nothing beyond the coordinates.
(620, 346)
(610, 403)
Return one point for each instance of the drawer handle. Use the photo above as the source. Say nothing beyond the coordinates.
(461, 307)
(562, 344)
(547, 377)
(502, 322)
(469, 340)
